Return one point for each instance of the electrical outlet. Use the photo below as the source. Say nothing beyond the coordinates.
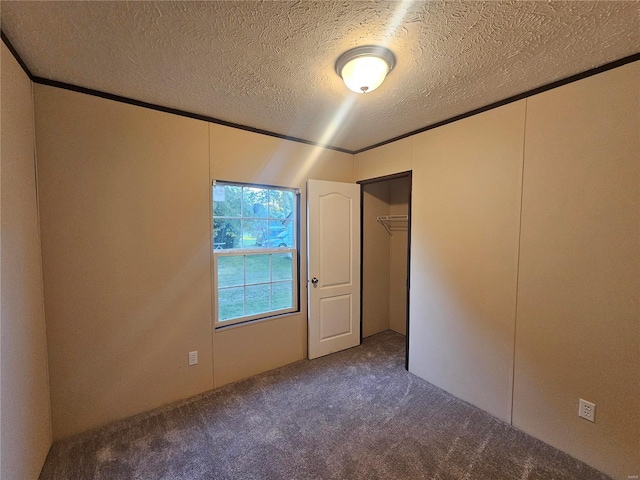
(193, 358)
(587, 410)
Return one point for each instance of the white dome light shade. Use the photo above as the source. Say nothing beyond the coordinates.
(363, 69)
(364, 74)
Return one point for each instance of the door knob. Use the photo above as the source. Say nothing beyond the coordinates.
(314, 280)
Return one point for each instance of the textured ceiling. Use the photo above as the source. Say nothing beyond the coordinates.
(270, 65)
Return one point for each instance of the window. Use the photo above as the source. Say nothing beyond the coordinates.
(255, 251)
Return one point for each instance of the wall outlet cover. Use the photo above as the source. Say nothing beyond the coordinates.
(587, 410)
(193, 358)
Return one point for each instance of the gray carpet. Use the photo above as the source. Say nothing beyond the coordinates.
(356, 414)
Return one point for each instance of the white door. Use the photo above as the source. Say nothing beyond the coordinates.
(333, 251)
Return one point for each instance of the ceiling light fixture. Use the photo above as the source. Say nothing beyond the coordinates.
(363, 69)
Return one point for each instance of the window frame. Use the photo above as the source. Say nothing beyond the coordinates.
(243, 252)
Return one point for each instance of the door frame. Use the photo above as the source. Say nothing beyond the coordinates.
(407, 174)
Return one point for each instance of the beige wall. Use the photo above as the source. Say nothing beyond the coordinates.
(126, 228)
(464, 255)
(392, 158)
(25, 412)
(578, 323)
(577, 276)
(124, 202)
(375, 260)
(399, 190)
(241, 156)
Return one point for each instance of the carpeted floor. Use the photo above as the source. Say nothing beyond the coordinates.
(356, 414)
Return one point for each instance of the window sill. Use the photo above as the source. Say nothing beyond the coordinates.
(247, 323)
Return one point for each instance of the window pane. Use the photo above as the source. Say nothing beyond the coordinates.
(257, 269)
(281, 266)
(290, 236)
(285, 238)
(227, 201)
(257, 298)
(282, 295)
(226, 233)
(281, 203)
(230, 303)
(230, 271)
(256, 202)
(255, 233)
(277, 234)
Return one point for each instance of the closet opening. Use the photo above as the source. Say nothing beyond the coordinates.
(385, 255)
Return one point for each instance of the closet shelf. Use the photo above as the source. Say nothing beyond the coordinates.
(394, 222)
